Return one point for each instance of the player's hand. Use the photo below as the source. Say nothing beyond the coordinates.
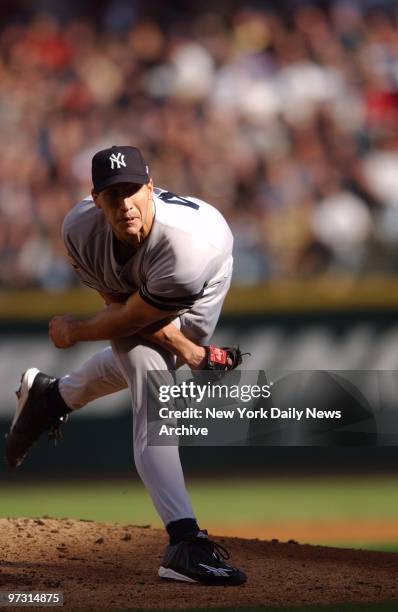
(60, 330)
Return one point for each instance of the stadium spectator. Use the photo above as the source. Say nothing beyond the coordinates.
(286, 120)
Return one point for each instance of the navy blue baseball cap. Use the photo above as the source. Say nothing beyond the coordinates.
(118, 165)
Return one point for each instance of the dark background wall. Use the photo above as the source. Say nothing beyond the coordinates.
(98, 441)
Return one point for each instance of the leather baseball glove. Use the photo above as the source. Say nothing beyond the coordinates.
(223, 359)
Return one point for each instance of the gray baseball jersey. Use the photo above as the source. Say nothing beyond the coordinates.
(186, 255)
(183, 266)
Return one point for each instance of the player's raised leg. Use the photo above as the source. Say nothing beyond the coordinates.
(44, 401)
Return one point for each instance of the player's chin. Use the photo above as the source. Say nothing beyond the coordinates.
(131, 229)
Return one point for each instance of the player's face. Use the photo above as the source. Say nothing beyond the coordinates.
(128, 210)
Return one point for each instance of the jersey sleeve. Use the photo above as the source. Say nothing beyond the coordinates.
(73, 253)
(176, 277)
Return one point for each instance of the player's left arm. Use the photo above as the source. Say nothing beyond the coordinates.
(115, 321)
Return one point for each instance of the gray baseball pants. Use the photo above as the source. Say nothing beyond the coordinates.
(125, 364)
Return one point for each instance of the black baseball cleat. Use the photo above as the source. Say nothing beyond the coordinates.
(199, 559)
(40, 408)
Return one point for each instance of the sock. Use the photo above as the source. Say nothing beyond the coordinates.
(57, 404)
(181, 530)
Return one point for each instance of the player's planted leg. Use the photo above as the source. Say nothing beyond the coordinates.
(190, 556)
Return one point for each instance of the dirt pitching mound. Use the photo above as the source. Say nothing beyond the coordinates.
(105, 565)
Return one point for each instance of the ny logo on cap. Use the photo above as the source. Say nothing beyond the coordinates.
(117, 160)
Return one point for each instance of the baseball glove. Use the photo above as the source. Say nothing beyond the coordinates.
(223, 359)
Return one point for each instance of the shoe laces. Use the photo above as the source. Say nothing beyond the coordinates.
(217, 550)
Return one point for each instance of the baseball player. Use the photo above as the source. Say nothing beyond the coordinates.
(163, 265)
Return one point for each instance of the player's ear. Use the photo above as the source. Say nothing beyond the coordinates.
(95, 198)
(150, 185)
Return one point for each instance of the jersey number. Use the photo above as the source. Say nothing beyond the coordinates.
(172, 198)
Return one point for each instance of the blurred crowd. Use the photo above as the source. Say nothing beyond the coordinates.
(285, 117)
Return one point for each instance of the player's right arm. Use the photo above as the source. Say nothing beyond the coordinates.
(168, 336)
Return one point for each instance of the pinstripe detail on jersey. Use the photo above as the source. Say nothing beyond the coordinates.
(169, 303)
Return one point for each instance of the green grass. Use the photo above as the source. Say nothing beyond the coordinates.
(382, 546)
(218, 501)
(102, 501)
(305, 498)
